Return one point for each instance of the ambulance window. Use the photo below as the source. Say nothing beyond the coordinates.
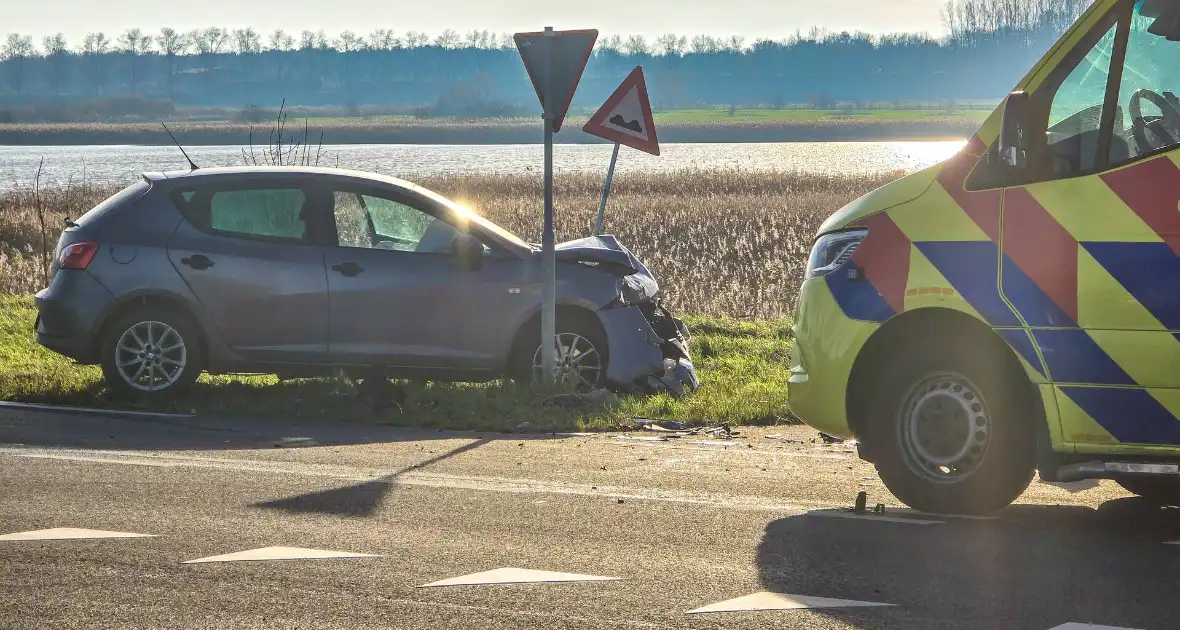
(1150, 84)
(1075, 117)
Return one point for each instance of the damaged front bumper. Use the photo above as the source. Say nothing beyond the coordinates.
(648, 351)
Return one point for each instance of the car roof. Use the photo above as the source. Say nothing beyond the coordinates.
(195, 176)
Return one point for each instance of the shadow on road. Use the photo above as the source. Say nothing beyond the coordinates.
(1035, 567)
(176, 433)
(360, 500)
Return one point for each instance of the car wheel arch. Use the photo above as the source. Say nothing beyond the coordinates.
(904, 330)
(532, 325)
(144, 299)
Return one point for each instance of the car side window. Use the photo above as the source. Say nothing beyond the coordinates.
(373, 222)
(1075, 116)
(262, 213)
(1149, 86)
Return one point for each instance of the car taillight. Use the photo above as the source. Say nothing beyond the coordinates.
(77, 255)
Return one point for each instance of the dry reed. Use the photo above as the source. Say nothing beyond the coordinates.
(722, 242)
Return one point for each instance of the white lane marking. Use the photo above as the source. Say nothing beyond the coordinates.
(434, 480)
(280, 553)
(966, 517)
(510, 575)
(872, 517)
(71, 533)
(1174, 542)
(100, 460)
(633, 438)
(1086, 626)
(778, 601)
(105, 412)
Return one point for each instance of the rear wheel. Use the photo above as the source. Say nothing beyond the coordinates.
(150, 352)
(1161, 490)
(953, 432)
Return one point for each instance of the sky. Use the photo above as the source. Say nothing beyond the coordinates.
(773, 19)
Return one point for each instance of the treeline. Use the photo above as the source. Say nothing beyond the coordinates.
(990, 43)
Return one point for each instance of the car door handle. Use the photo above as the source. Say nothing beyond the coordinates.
(197, 262)
(349, 269)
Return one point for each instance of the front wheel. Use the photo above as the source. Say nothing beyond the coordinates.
(581, 356)
(150, 352)
(1161, 490)
(953, 432)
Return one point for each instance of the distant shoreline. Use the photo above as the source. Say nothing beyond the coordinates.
(478, 132)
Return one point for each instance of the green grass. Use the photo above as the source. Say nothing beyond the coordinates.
(743, 366)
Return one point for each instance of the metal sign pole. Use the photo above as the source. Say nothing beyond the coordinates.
(610, 175)
(548, 257)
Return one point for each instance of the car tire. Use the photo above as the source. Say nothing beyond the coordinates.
(953, 433)
(151, 352)
(583, 366)
(1163, 491)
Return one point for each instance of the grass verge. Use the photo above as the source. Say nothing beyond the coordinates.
(743, 366)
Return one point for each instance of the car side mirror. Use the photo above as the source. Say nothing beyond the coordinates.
(468, 251)
(1014, 130)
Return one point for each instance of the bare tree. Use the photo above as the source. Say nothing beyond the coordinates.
(610, 43)
(448, 39)
(671, 44)
(172, 44)
(416, 39)
(280, 41)
(133, 43)
(735, 43)
(16, 51)
(95, 47)
(247, 41)
(384, 39)
(703, 45)
(57, 51)
(635, 45)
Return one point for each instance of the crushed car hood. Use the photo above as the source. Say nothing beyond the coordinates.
(601, 249)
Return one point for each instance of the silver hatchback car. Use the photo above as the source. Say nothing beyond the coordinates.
(301, 271)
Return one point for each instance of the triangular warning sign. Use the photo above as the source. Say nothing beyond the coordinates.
(555, 61)
(626, 117)
(508, 575)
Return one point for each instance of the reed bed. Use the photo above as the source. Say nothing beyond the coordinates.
(722, 242)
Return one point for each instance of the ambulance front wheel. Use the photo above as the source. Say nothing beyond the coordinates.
(953, 433)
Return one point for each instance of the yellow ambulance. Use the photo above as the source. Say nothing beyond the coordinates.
(1017, 307)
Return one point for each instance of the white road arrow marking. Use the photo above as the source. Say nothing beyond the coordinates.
(508, 575)
(280, 553)
(70, 533)
(778, 601)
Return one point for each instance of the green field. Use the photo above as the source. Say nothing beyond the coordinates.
(743, 365)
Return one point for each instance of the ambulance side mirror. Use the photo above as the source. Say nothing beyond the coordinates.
(1014, 131)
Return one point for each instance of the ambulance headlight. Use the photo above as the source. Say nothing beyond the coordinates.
(833, 250)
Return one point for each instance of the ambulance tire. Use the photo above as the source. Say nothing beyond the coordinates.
(953, 432)
(1162, 491)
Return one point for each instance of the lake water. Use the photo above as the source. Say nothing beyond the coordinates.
(121, 164)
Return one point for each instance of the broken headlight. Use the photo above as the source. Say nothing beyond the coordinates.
(635, 289)
(833, 250)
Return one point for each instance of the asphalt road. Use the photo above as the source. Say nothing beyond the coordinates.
(684, 524)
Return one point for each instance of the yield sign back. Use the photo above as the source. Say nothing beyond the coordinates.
(626, 118)
(555, 63)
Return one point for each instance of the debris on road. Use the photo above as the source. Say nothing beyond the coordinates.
(658, 425)
(862, 499)
(780, 438)
(830, 439)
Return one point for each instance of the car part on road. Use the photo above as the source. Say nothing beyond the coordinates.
(151, 351)
(950, 435)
